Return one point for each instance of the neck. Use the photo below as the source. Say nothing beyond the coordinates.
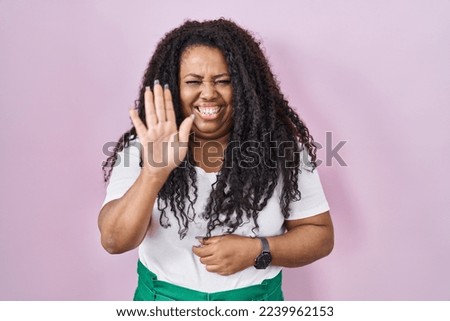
(208, 154)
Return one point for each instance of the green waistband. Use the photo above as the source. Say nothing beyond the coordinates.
(151, 289)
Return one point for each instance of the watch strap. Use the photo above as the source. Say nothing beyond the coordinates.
(265, 244)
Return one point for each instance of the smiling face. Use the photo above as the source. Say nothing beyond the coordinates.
(206, 91)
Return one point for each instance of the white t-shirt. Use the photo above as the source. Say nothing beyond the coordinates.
(172, 259)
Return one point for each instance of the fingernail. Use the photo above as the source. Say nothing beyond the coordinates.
(192, 116)
(156, 82)
(166, 86)
(147, 88)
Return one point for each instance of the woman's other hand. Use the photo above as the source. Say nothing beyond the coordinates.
(305, 241)
(228, 254)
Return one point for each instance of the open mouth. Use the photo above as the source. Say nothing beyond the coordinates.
(208, 112)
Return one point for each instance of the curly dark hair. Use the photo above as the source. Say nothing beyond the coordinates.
(262, 119)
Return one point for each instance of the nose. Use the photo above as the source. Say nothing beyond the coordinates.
(208, 90)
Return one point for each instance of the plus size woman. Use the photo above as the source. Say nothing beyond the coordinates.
(216, 182)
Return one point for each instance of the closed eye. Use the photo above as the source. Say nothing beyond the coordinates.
(223, 81)
(193, 82)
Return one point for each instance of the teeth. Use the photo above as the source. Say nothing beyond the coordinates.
(209, 110)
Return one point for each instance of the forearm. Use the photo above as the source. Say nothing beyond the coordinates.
(124, 222)
(306, 241)
(301, 245)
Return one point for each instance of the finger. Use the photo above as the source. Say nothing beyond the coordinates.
(197, 250)
(212, 240)
(202, 251)
(170, 112)
(219, 269)
(212, 268)
(141, 130)
(208, 260)
(159, 102)
(150, 114)
(185, 128)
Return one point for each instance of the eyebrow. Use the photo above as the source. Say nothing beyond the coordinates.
(213, 77)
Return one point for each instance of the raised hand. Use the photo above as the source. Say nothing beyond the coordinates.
(163, 146)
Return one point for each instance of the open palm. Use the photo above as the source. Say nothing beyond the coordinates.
(163, 146)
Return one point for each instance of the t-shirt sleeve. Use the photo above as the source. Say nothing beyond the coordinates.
(313, 200)
(125, 172)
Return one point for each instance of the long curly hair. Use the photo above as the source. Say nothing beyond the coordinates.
(263, 122)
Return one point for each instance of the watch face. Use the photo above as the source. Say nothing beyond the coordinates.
(263, 260)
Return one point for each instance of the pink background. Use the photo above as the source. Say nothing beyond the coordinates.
(374, 73)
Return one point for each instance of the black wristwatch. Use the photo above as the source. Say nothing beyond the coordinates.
(263, 260)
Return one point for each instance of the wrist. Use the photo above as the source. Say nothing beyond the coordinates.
(155, 179)
(263, 260)
(254, 250)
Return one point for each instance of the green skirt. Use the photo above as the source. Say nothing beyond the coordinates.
(151, 289)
